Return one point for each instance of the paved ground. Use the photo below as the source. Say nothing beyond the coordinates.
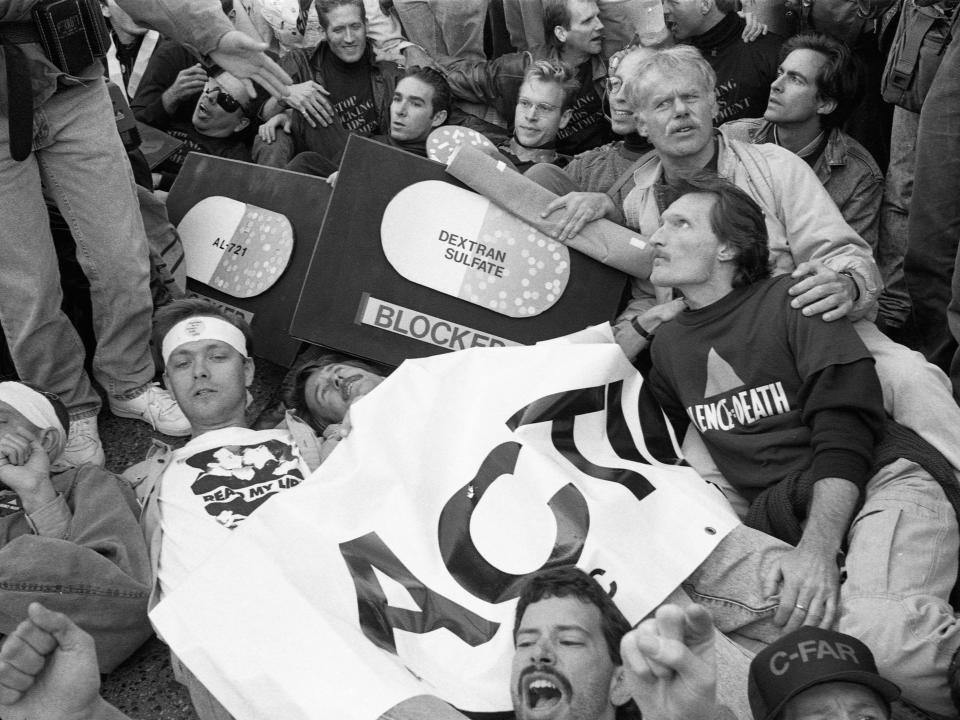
(143, 687)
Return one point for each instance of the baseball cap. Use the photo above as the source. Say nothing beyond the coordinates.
(807, 657)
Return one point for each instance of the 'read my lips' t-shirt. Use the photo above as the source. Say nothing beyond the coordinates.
(212, 484)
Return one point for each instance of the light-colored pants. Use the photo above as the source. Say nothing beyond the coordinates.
(451, 28)
(915, 393)
(901, 566)
(81, 164)
(892, 243)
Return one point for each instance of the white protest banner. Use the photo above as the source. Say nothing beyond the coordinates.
(394, 569)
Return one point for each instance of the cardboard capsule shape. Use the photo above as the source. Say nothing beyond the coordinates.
(444, 140)
(459, 243)
(238, 249)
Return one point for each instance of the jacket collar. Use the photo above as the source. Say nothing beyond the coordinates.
(649, 168)
(835, 154)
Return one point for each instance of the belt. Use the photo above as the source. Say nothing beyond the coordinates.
(19, 87)
(19, 33)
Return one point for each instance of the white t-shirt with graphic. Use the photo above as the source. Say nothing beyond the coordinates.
(212, 484)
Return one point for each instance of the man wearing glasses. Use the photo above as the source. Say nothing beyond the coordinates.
(574, 36)
(544, 108)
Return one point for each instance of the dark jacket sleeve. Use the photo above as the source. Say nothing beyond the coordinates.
(843, 406)
(496, 82)
(165, 64)
(667, 399)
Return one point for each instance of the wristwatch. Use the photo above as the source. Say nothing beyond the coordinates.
(641, 331)
(856, 287)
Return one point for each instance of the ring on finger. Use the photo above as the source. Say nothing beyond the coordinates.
(798, 606)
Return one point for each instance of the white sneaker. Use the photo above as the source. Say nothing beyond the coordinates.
(83, 445)
(156, 407)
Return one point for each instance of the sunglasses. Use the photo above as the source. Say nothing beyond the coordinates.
(222, 98)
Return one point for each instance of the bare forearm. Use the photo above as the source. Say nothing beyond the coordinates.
(834, 500)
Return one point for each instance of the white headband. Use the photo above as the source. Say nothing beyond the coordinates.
(32, 405)
(203, 328)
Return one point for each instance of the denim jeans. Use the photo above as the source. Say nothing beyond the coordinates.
(934, 223)
(895, 303)
(79, 161)
(98, 574)
(452, 28)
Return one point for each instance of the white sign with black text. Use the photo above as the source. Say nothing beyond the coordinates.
(394, 569)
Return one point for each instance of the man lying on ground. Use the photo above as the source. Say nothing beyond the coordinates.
(67, 538)
(791, 410)
(833, 268)
(568, 633)
(195, 496)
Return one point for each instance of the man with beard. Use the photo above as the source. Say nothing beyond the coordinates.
(567, 665)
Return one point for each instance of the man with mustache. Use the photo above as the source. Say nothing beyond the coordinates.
(567, 666)
(833, 268)
(790, 409)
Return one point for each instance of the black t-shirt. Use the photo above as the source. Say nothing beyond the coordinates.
(770, 390)
(744, 69)
(588, 128)
(351, 94)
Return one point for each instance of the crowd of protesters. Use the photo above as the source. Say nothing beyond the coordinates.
(796, 170)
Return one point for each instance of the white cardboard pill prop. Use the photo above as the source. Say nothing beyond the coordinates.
(236, 248)
(459, 243)
(444, 140)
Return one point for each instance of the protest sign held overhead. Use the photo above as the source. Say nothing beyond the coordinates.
(394, 569)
